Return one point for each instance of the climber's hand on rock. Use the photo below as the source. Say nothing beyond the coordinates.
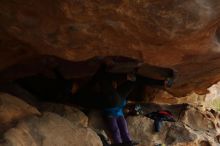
(131, 77)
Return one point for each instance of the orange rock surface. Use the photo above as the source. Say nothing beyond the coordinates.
(182, 35)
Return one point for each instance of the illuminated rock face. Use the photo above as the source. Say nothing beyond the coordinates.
(194, 127)
(46, 131)
(51, 124)
(182, 35)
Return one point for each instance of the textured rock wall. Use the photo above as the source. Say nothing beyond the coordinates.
(56, 124)
(194, 126)
(51, 125)
(143, 29)
(178, 34)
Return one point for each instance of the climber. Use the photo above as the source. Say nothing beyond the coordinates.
(111, 91)
(159, 117)
(114, 113)
(114, 116)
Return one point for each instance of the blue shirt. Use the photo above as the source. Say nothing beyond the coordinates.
(115, 111)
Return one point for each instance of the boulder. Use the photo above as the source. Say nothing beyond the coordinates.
(70, 113)
(194, 127)
(50, 130)
(163, 97)
(96, 120)
(201, 119)
(13, 109)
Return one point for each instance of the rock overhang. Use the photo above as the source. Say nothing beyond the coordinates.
(180, 35)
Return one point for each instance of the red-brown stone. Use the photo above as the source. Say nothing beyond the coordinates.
(182, 35)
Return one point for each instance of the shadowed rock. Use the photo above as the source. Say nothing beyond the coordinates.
(182, 35)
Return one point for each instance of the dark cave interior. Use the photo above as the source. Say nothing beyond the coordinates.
(61, 81)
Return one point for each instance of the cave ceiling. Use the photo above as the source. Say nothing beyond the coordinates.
(181, 35)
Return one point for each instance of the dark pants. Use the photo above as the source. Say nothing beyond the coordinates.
(119, 130)
(157, 125)
(118, 125)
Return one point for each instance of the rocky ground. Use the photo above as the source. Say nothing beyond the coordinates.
(53, 124)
